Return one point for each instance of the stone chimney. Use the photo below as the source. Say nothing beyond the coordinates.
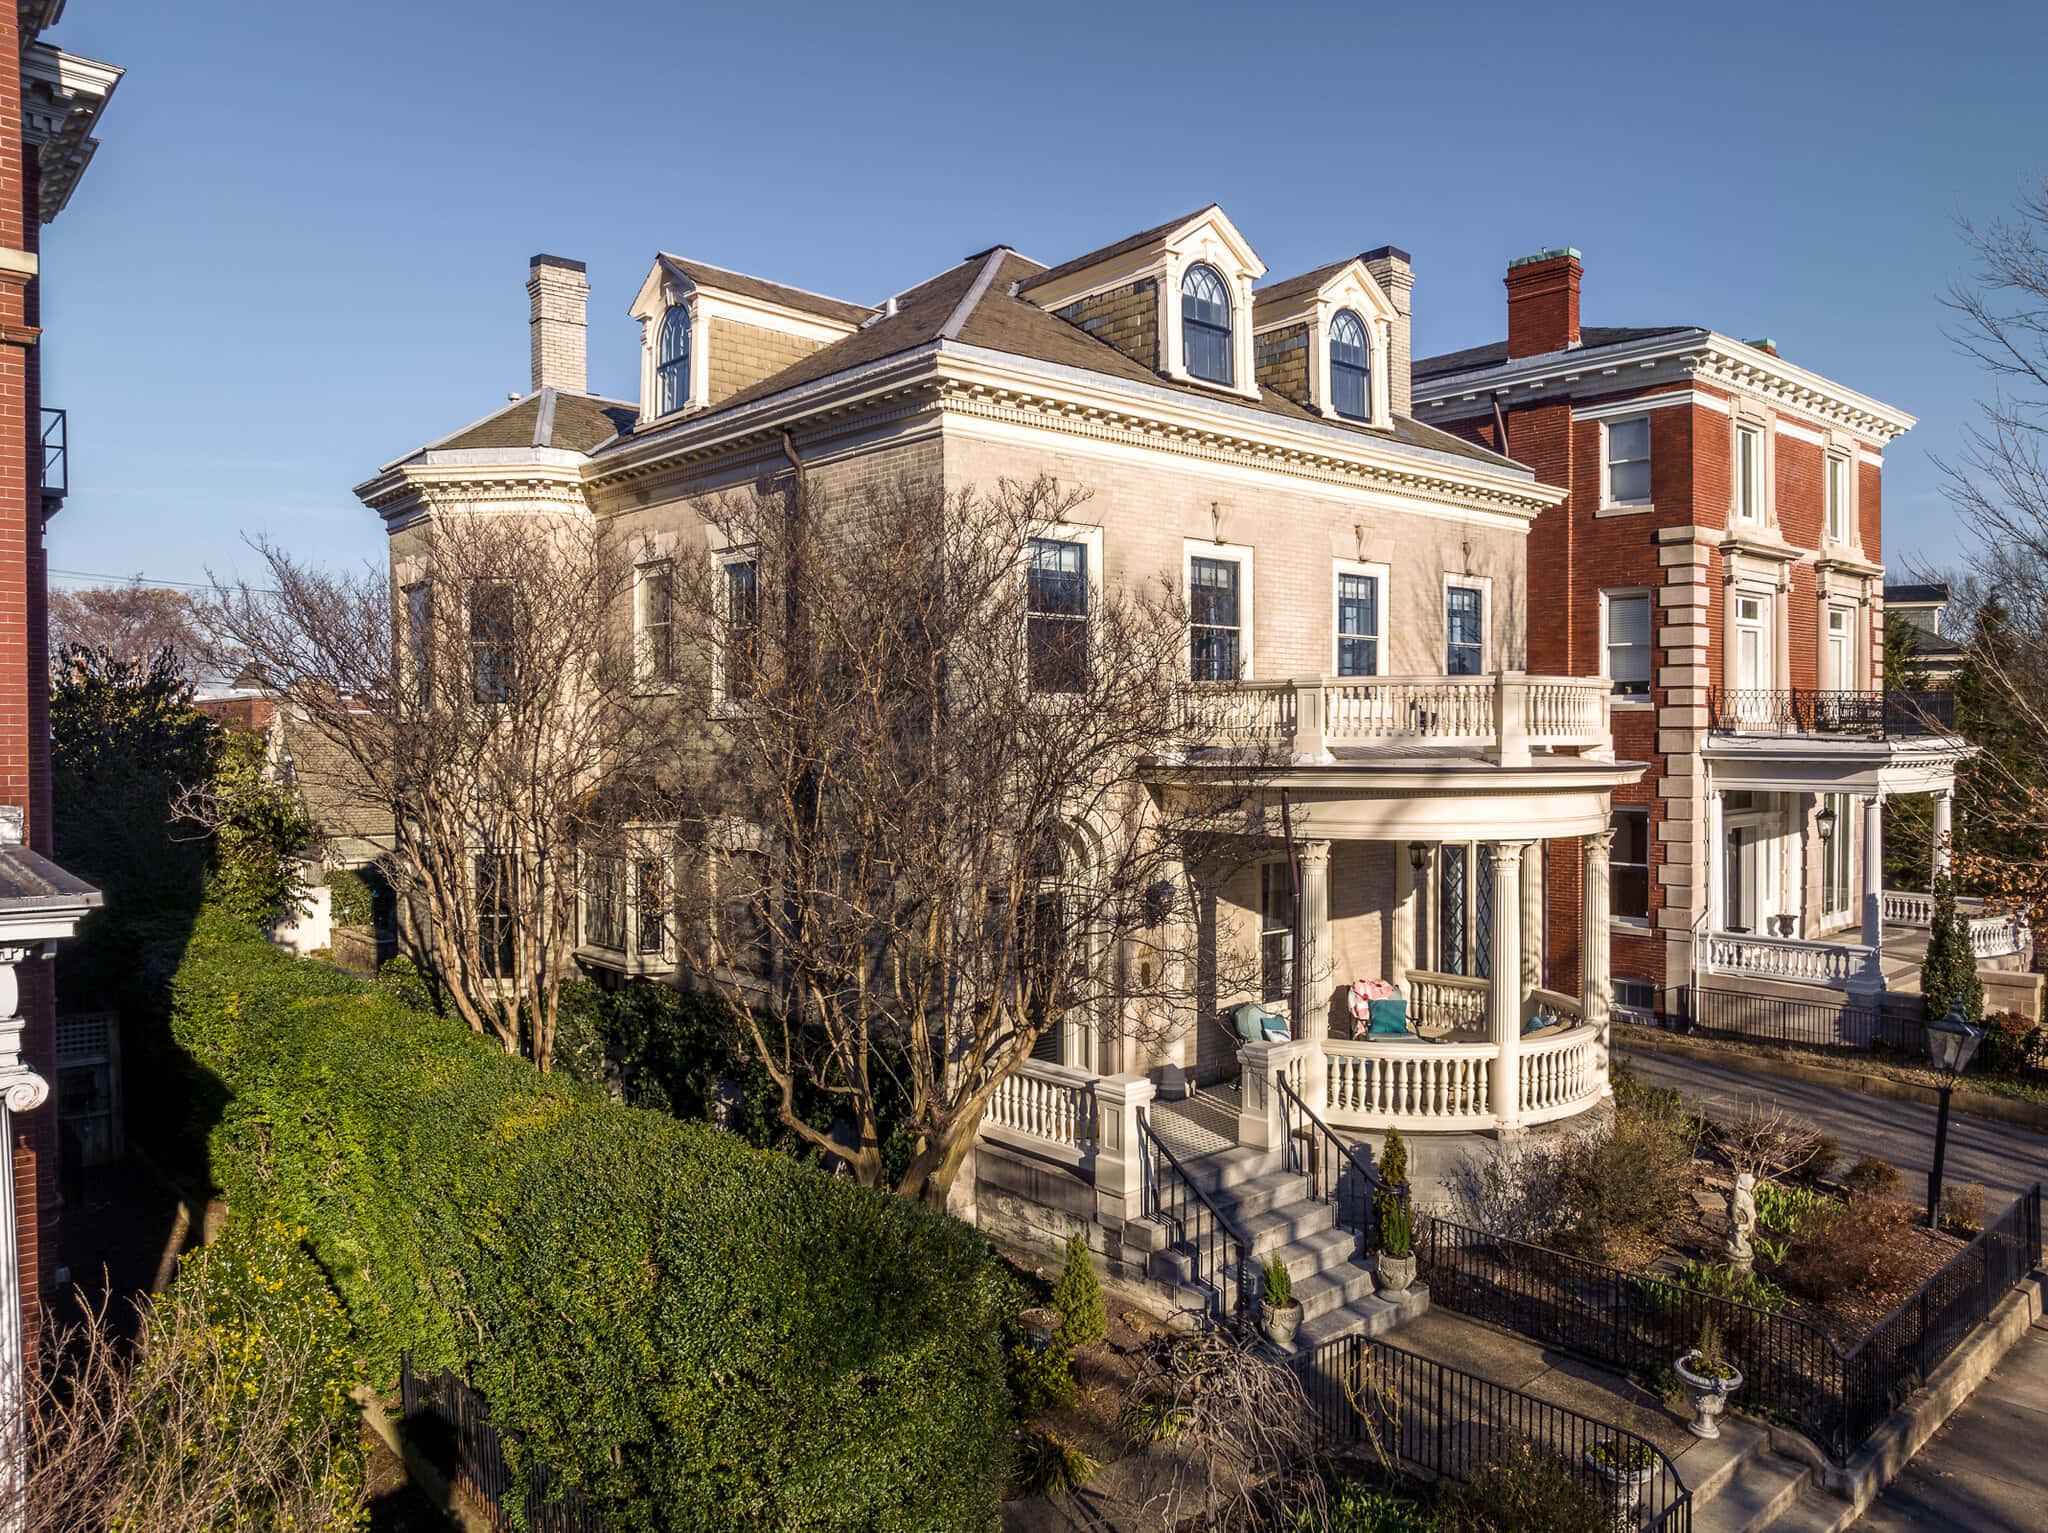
(1543, 302)
(559, 293)
(1390, 269)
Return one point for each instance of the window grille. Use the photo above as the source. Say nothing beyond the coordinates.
(1350, 367)
(1205, 325)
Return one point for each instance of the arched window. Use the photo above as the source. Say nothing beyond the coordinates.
(1350, 367)
(1205, 324)
(672, 361)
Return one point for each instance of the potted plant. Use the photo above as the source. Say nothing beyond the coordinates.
(1394, 1271)
(1626, 1464)
(1279, 1311)
(1711, 1379)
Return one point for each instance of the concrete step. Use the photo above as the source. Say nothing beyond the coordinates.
(1282, 1226)
(1710, 1466)
(1272, 1189)
(1323, 1292)
(1816, 1511)
(1763, 1488)
(1373, 1316)
(1233, 1168)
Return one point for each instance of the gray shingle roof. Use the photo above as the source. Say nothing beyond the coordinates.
(1130, 242)
(581, 422)
(1933, 591)
(796, 298)
(1591, 338)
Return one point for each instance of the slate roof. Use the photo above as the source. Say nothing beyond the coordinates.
(797, 298)
(1937, 591)
(581, 422)
(1291, 287)
(1143, 237)
(1591, 338)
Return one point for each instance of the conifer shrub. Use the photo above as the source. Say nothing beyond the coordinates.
(1948, 975)
(1078, 1298)
(691, 1332)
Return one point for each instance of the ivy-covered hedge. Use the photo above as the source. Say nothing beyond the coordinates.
(697, 1334)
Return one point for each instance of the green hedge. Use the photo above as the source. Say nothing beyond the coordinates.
(695, 1333)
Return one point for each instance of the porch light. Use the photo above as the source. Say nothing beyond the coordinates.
(1952, 1043)
(1418, 854)
(1824, 822)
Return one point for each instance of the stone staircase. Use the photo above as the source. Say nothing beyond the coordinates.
(1270, 1205)
(1741, 1484)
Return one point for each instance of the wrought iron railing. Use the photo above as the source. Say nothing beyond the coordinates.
(1824, 711)
(1333, 1170)
(1639, 1324)
(445, 1407)
(1217, 1252)
(1445, 1423)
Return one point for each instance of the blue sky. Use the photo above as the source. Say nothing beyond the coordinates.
(302, 247)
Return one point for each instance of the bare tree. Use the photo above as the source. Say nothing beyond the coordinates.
(920, 795)
(479, 705)
(131, 622)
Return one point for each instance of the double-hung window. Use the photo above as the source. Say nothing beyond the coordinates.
(1628, 462)
(1358, 623)
(650, 886)
(1205, 325)
(604, 902)
(493, 630)
(1276, 931)
(672, 361)
(1632, 1000)
(1749, 474)
(1627, 618)
(654, 594)
(1350, 367)
(1838, 498)
(1215, 625)
(1464, 630)
(1835, 853)
(1629, 866)
(495, 891)
(739, 647)
(1056, 615)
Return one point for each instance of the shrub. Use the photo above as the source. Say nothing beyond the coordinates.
(1522, 1489)
(1047, 1464)
(1155, 1419)
(1276, 1287)
(2009, 1041)
(1393, 1170)
(1396, 1237)
(1948, 975)
(1041, 1380)
(349, 898)
(1722, 1281)
(690, 1332)
(1630, 1178)
(1822, 1153)
(1781, 1208)
(1871, 1175)
(1962, 1208)
(1852, 1250)
(1356, 1507)
(1078, 1297)
(1512, 1189)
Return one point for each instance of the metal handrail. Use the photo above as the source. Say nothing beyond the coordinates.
(1324, 1171)
(1219, 1250)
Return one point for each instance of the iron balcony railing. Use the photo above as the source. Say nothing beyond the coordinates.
(1822, 711)
(56, 454)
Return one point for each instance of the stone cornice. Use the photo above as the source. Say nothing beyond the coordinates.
(62, 96)
(409, 491)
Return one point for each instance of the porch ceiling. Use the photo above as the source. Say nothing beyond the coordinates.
(1800, 764)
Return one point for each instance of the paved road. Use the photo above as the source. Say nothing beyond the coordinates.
(2005, 1158)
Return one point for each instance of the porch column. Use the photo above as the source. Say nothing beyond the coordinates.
(1315, 961)
(1533, 891)
(1405, 896)
(1717, 863)
(21, 1090)
(1944, 830)
(1873, 870)
(1595, 988)
(1504, 995)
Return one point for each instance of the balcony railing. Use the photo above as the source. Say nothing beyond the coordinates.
(1506, 715)
(56, 454)
(1816, 711)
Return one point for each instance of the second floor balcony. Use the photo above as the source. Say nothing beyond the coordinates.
(1506, 718)
(1884, 715)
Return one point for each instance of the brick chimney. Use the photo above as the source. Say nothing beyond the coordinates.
(1390, 269)
(1543, 302)
(559, 292)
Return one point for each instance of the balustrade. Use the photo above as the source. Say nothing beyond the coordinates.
(1559, 1074)
(1045, 1107)
(1507, 714)
(1839, 964)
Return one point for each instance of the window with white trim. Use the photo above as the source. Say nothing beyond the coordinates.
(419, 641)
(1215, 623)
(1625, 617)
(1464, 630)
(604, 902)
(1749, 474)
(1628, 866)
(1205, 325)
(1838, 650)
(1359, 619)
(493, 631)
(1836, 849)
(1753, 671)
(1056, 615)
(672, 361)
(654, 589)
(1628, 461)
(739, 627)
(1837, 498)
(1276, 931)
(650, 911)
(1350, 367)
(496, 888)
(1632, 1000)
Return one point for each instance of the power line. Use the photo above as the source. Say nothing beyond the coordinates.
(123, 580)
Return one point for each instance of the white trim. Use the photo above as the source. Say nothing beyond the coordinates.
(1801, 434)
(1642, 402)
(1381, 601)
(1759, 515)
(1832, 456)
(721, 558)
(1607, 425)
(1608, 596)
(1874, 459)
(1090, 538)
(1241, 553)
(1483, 584)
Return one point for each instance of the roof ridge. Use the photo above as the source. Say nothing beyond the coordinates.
(734, 271)
(544, 418)
(990, 265)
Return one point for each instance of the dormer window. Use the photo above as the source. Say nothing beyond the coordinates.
(1205, 325)
(1350, 367)
(672, 361)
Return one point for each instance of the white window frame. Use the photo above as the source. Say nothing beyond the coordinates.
(1838, 513)
(1846, 679)
(720, 559)
(1839, 849)
(1378, 573)
(1764, 625)
(1198, 548)
(1608, 500)
(1063, 532)
(1607, 598)
(1276, 874)
(1751, 510)
(1627, 1011)
(1483, 584)
(1615, 917)
(644, 672)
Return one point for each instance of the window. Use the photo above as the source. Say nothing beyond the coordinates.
(740, 636)
(1464, 630)
(672, 361)
(1838, 499)
(495, 890)
(1752, 647)
(1749, 474)
(1205, 325)
(1629, 866)
(1453, 889)
(493, 622)
(1835, 853)
(1350, 367)
(419, 640)
(1214, 635)
(1627, 615)
(1628, 462)
(654, 594)
(1632, 1000)
(1839, 656)
(604, 902)
(1358, 623)
(743, 911)
(1276, 931)
(1056, 615)
(650, 885)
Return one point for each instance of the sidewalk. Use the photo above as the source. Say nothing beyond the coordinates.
(1985, 1469)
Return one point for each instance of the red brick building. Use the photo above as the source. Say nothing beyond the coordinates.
(1720, 559)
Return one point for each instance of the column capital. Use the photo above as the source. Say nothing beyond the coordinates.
(1508, 854)
(1598, 843)
(1312, 851)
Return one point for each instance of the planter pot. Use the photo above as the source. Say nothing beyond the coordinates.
(1279, 1322)
(1709, 1397)
(1624, 1492)
(1041, 1326)
(1394, 1274)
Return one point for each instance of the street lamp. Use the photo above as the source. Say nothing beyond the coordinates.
(1951, 1045)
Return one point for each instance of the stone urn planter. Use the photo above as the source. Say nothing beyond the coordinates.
(1394, 1275)
(1626, 1465)
(1279, 1310)
(1041, 1326)
(1710, 1390)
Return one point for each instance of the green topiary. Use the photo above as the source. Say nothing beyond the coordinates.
(1396, 1238)
(1078, 1297)
(1393, 1169)
(1948, 975)
(1277, 1286)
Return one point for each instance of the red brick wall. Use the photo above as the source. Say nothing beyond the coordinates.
(1543, 306)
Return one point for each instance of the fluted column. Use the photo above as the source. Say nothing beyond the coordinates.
(1944, 830)
(1405, 895)
(1314, 857)
(1873, 871)
(1532, 921)
(1505, 993)
(1717, 864)
(1595, 980)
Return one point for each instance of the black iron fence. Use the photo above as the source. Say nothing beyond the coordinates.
(1790, 1369)
(1823, 711)
(1443, 1422)
(1333, 1170)
(1217, 1253)
(451, 1423)
(1845, 1025)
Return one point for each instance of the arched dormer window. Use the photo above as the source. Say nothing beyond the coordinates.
(672, 361)
(1350, 367)
(1205, 325)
